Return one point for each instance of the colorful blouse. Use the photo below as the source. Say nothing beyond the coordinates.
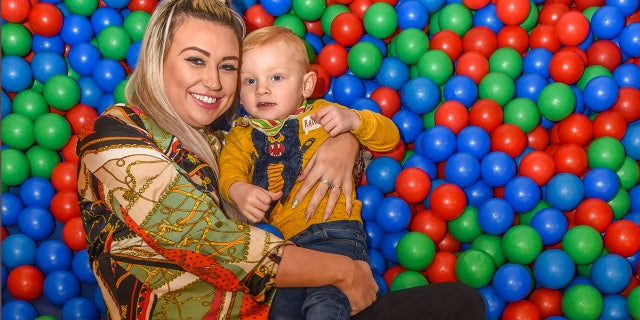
(158, 242)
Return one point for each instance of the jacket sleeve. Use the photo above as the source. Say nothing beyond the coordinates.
(235, 159)
(376, 131)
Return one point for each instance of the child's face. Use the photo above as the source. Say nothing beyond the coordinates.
(272, 84)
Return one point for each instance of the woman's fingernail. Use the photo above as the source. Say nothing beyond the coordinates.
(294, 204)
(307, 217)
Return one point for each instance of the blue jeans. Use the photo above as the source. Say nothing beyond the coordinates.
(327, 302)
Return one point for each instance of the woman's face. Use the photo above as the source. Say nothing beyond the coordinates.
(201, 71)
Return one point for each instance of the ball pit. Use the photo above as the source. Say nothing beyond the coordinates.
(517, 172)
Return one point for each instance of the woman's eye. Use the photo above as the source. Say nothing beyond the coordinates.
(195, 61)
(229, 67)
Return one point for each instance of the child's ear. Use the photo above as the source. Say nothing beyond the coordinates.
(309, 83)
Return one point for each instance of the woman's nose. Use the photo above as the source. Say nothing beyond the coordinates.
(212, 81)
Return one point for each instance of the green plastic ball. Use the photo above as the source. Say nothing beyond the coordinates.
(532, 19)
(465, 228)
(583, 244)
(525, 217)
(365, 59)
(434, 26)
(633, 303)
(620, 204)
(410, 44)
(506, 60)
(42, 161)
(490, 244)
(588, 12)
(329, 14)
(16, 40)
(556, 101)
(497, 86)
(408, 279)
(30, 103)
(52, 131)
(81, 7)
(119, 94)
(436, 65)
(380, 20)
(308, 10)
(583, 302)
(46, 318)
(61, 92)
(522, 112)
(415, 251)
(291, 22)
(521, 244)
(606, 152)
(136, 23)
(455, 17)
(15, 167)
(629, 173)
(114, 42)
(591, 72)
(429, 119)
(17, 131)
(475, 268)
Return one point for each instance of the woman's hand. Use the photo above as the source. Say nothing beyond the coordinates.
(361, 288)
(332, 166)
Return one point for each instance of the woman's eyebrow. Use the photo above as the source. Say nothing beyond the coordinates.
(204, 52)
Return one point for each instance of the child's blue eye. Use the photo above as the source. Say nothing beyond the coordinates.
(277, 77)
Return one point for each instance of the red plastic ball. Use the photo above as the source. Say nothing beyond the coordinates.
(595, 213)
(388, 99)
(576, 128)
(347, 29)
(16, 11)
(396, 153)
(473, 64)
(604, 53)
(447, 41)
(46, 19)
(391, 274)
(627, 103)
(453, 115)
(520, 310)
(566, 66)
(572, 28)
(543, 36)
(449, 244)
(426, 222)
(547, 301)
(609, 123)
(79, 116)
(447, 201)
(323, 84)
(257, 17)
(476, 4)
(334, 58)
(509, 138)
(359, 7)
(25, 282)
(64, 205)
(487, 114)
(442, 268)
(143, 5)
(570, 158)
(64, 176)
(622, 237)
(538, 138)
(512, 12)
(314, 27)
(69, 150)
(584, 4)
(552, 11)
(515, 37)
(481, 39)
(74, 235)
(413, 184)
(537, 165)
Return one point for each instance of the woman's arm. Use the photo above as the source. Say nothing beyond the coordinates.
(301, 267)
(333, 162)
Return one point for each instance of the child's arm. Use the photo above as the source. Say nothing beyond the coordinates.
(252, 201)
(336, 120)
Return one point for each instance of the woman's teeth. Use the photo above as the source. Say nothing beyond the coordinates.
(205, 99)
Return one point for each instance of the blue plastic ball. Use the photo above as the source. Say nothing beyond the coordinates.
(16, 74)
(462, 169)
(61, 286)
(90, 93)
(553, 269)
(607, 22)
(105, 101)
(105, 17)
(420, 161)
(564, 191)
(611, 273)
(474, 140)
(389, 245)
(37, 191)
(412, 14)
(36, 222)
(276, 7)
(631, 141)
(81, 267)
(41, 43)
(478, 193)
(6, 104)
(11, 208)
(393, 73)
(369, 86)
(438, 143)
(382, 284)
(315, 41)
(529, 85)
(551, 224)
(461, 88)
(53, 255)
(497, 168)
(602, 183)
(374, 234)
(512, 282)
(494, 305)
(98, 300)
(266, 227)
(83, 58)
(630, 40)
(18, 249)
(522, 193)
(376, 261)
(495, 216)
(409, 124)
(600, 93)
(487, 16)
(537, 61)
(76, 29)
(118, 4)
(365, 103)
(382, 173)
(628, 7)
(348, 88)
(420, 95)
(18, 310)
(370, 196)
(80, 308)
(107, 74)
(46, 64)
(627, 75)
(393, 214)
(133, 53)
(580, 107)
(614, 307)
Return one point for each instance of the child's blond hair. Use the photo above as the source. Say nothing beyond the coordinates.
(273, 34)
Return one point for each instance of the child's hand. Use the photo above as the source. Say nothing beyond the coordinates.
(336, 120)
(252, 201)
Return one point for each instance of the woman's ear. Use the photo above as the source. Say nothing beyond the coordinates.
(309, 83)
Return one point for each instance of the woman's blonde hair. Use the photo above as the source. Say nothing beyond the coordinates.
(273, 34)
(145, 88)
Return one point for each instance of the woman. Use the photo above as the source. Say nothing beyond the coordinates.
(159, 243)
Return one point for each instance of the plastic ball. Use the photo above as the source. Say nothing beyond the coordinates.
(465, 228)
(512, 282)
(412, 14)
(626, 75)
(610, 273)
(36, 222)
(15, 11)
(380, 20)
(80, 308)
(627, 98)
(582, 301)
(462, 169)
(53, 255)
(264, 226)
(393, 214)
(556, 101)
(370, 196)
(615, 307)
(606, 152)
(16, 40)
(61, 92)
(529, 86)
(347, 29)
(387, 99)
(25, 283)
(522, 193)
(497, 168)
(277, 7)
(447, 201)
(374, 237)
(515, 37)
(456, 17)
(334, 58)
(512, 12)
(40, 43)
(113, 42)
(547, 301)
(451, 114)
(45, 19)
(495, 216)
(583, 244)
(438, 143)
(551, 225)
(15, 167)
(52, 131)
(494, 306)
(629, 174)
(382, 173)
(487, 114)
(473, 140)
(601, 183)
(36, 191)
(106, 16)
(107, 74)
(566, 66)
(415, 251)
(83, 57)
(257, 17)
(553, 269)
(600, 93)
(564, 191)
(413, 184)
(622, 237)
(538, 166)
(570, 158)
(76, 29)
(18, 249)
(537, 60)
(136, 23)
(462, 89)
(410, 44)
(17, 131)
(42, 161)
(478, 193)
(497, 86)
(510, 139)
(60, 286)
(389, 245)
(442, 268)
(81, 267)
(18, 310)
(576, 128)
(630, 40)
(364, 59)
(475, 268)
(408, 279)
(472, 64)
(347, 89)
(16, 74)
(420, 95)
(523, 113)
(74, 235)
(427, 223)
(435, 65)
(144, 5)
(11, 208)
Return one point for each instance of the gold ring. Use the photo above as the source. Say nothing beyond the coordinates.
(334, 186)
(327, 182)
